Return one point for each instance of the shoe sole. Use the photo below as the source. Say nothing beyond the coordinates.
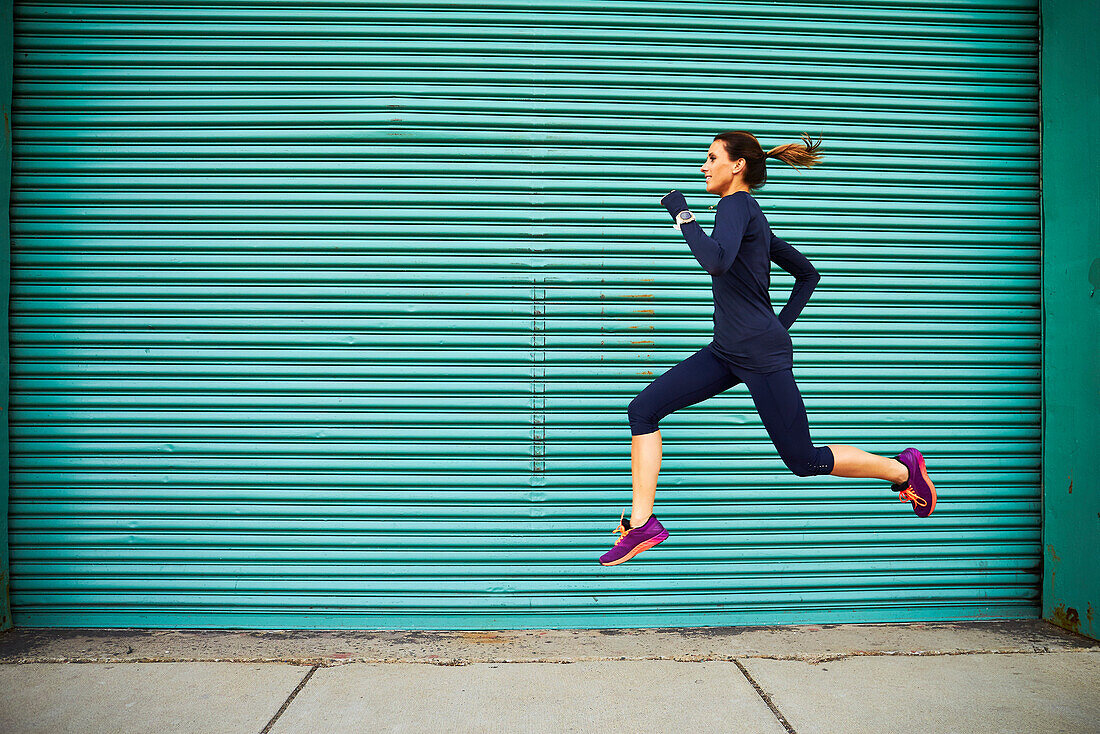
(643, 546)
(931, 487)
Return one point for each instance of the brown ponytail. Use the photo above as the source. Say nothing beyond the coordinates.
(795, 155)
(741, 144)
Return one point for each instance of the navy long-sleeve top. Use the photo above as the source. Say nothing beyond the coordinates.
(738, 256)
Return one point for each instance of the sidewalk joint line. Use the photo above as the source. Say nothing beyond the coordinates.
(289, 698)
(767, 699)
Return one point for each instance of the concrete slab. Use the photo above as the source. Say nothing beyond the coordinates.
(145, 697)
(534, 697)
(796, 642)
(1056, 692)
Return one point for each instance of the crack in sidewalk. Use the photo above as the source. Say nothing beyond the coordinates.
(289, 698)
(767, 699)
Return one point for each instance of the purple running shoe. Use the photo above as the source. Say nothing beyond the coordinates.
(919, 489)
(633, 541)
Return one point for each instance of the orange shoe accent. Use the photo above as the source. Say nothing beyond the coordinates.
(622, 530)
(931, 487)
(637, 549)
(908, 495)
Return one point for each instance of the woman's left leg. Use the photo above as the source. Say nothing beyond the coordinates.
(779, 403)
(852, 462)
(781, 408)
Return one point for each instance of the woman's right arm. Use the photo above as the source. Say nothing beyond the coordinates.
(717, 252)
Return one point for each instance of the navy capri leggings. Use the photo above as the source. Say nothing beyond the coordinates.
(778, 401)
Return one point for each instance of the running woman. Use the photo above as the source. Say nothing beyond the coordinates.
(750, 345)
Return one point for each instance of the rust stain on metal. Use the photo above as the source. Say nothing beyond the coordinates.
(646, 372)
(638, 295)
(642, 341)
(643, 310)
(1067, 617)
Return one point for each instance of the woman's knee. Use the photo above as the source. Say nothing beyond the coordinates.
(642, 418)
(811, 463)
(800, 467)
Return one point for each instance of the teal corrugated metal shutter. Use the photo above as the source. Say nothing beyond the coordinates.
(329, 316)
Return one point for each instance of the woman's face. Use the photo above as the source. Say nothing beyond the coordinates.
(719, 171)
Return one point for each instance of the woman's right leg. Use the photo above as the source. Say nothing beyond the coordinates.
(645, 465)
(700, 376)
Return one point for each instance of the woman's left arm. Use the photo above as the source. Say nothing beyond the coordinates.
(717, 253)
(805, 275)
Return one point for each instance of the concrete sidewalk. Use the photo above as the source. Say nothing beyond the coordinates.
(989, 676)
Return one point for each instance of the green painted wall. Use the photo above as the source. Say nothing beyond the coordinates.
(329, 317)
(6, 39)
(1071, 314)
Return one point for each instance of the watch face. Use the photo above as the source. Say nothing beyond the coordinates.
(685, 216)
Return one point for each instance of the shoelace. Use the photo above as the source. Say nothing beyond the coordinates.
(622, 530)
(908, 495)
